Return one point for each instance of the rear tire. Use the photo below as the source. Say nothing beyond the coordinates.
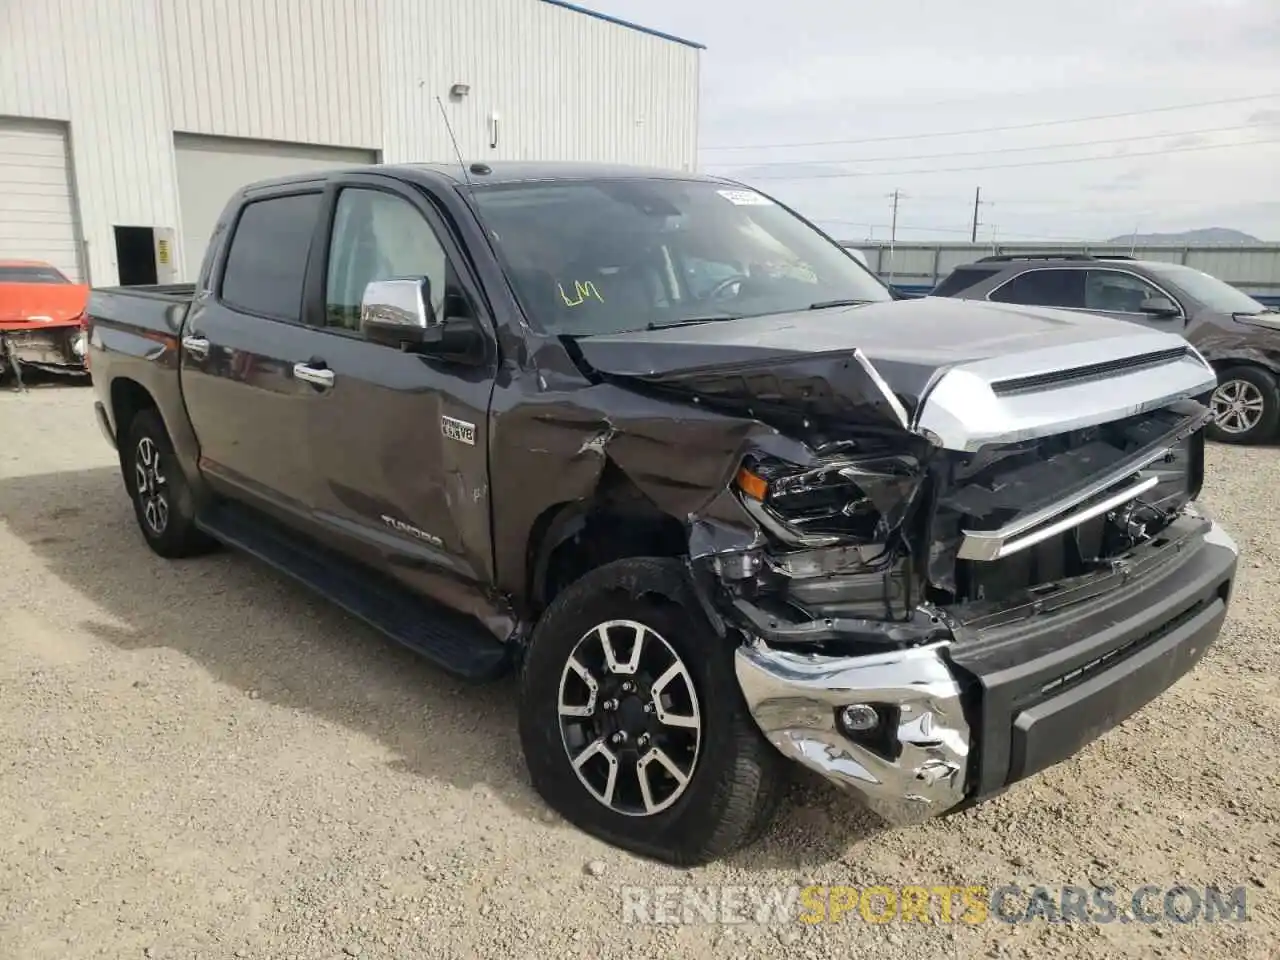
(162, 500)
(1247, 400)
(712, 783)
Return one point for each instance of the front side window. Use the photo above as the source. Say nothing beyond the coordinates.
(379, 236)
(608, 256)
(1110, 291)
(1043, 288)
(267, 259)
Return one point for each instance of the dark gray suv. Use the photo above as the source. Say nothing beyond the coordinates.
(1234, 332)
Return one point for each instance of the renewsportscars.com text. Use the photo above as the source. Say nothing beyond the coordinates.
(937, 904)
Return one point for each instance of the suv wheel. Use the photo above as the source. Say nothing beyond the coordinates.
(1247, 405)
(161, 497)
(632, 724)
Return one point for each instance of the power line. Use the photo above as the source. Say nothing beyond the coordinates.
(1023, 149)
(1010, 166)
(1016, 126)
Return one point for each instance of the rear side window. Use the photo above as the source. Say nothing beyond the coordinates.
(962, 278)
(267, 258)
(1043, 288)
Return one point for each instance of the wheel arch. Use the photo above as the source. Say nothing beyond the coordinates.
(128, 397)
(617, 522)
(1248, 358)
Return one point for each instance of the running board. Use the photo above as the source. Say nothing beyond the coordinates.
(455, 643)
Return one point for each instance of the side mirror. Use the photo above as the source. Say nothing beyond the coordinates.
(398, 313)
(1159, 307)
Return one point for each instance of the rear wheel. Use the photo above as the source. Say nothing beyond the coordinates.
(1247, 405)
(161, 497)
(632, 723)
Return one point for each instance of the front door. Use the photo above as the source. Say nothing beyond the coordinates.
(399, 444)
(242, 339)
(1120, 294)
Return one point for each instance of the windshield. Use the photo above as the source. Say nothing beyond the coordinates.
(31, 274)
(1212, 292)
(608, 256)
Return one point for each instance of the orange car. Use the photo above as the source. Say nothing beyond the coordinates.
(41, 318)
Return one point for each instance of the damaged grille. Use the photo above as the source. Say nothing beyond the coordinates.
(1025, 516)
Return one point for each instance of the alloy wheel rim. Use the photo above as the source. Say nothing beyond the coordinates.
(1238, 406)
(630, 719)
(152, 486)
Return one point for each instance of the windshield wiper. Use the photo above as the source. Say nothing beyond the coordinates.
(825, 304)
(690, 321)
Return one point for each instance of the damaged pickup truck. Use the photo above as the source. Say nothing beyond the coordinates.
(658, 444)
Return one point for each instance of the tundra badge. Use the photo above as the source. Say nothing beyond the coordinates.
(458, 430)
(411, 530)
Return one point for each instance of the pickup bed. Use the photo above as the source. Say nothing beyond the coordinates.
(660, 446)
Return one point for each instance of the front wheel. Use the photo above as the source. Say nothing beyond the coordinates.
(1247, 405)
(632, 723)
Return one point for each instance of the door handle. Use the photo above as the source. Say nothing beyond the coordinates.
(316, 376)
(198, 347)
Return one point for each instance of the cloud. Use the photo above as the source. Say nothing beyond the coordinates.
(881, 77)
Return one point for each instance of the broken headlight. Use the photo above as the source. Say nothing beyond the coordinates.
(861, 499)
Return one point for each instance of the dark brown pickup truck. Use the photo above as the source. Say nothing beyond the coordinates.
(660, 445)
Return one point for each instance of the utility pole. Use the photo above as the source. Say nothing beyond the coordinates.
(893, 229)
(977, 202)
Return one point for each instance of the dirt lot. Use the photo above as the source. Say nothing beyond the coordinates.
(202, 760)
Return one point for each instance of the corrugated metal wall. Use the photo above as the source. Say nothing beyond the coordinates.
(126, 74)
(564, 85)
(293, 70)
(96, 64)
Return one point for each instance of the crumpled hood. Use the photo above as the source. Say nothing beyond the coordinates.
(28, 305)
(809, 357)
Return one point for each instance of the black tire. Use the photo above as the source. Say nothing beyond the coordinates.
(170, 529)
(737, 778)
(1241, 424)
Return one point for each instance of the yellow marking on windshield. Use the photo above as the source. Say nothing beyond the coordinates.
(583, 291)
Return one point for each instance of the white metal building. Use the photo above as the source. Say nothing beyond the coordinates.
(125, 124)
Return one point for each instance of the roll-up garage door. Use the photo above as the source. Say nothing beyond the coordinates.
(37, 203)
(211, 169)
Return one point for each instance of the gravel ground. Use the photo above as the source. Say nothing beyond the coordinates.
(202, 760)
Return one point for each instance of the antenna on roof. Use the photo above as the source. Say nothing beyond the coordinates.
(444, 115)
(466, 175)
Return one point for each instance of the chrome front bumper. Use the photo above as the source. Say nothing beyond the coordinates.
(1035, 691)
(795, 699)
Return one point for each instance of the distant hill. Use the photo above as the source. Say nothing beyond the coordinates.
(1206, 235)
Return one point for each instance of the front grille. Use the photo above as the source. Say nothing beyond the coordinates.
(1094, 371)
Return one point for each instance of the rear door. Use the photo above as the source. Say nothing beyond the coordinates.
(1043, 287)
(400, 442)
(243, 343)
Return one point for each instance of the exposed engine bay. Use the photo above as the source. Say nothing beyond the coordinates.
(873, 548)
(58, 350)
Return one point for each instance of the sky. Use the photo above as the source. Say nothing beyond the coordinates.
(782, 80)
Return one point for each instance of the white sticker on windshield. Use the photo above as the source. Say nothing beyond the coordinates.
(745, 198)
